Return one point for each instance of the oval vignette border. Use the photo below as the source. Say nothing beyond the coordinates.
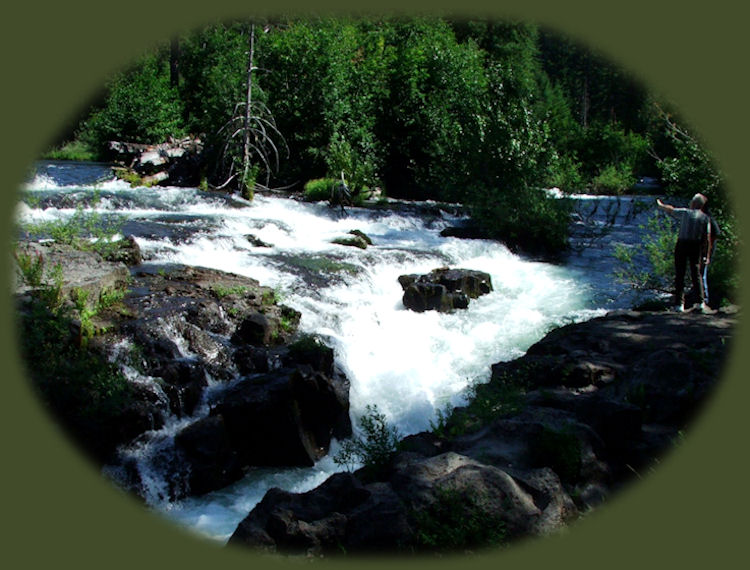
(60, 511)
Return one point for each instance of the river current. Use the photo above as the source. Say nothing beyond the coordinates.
(411, 365)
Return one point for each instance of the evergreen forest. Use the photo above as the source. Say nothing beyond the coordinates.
(482, 112)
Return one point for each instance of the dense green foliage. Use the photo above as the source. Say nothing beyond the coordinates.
(86, 393)
(141, 106)
(476, 111)
(649, 269)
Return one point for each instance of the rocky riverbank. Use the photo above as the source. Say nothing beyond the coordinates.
(551, 436)
(177, 329)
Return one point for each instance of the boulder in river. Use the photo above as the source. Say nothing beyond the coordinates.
(550, 436)
(284, 418)
(444, 289)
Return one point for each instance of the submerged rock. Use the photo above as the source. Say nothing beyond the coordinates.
(256, 241)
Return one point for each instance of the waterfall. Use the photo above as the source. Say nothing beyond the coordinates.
(411, 365)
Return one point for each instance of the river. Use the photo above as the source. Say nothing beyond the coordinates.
(411, 365)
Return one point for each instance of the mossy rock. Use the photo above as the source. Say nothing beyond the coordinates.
(354, 241)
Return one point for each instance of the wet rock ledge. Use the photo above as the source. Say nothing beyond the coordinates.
(552, 435)
(178, 330)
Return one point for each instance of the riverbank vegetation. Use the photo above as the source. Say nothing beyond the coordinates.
(87, 394)
(486, 113)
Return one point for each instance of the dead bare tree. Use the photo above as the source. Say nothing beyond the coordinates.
(253, 121)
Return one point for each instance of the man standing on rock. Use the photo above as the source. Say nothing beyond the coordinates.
(694, 228)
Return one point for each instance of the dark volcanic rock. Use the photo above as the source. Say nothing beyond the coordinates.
(181, 327)
(599, 401)
(339, 513)
(256, 241)
(444, 289)
(254, 329)
(283, 418)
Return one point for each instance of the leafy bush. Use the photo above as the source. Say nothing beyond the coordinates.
(84, 230)
(86, 392)
(526, 218)
(607, 144)
(374, 448)
(560, 450)
(72, 150)
(319, 189)
(221, 291)
(650, 266)
(358, 167)
(306, 344)
(565, 173)
(31, 268)
(613, 179)
(456, 521)
(692, 168)
(503, 396)
(723, 278)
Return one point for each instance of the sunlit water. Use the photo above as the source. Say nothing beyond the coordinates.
(411, 365)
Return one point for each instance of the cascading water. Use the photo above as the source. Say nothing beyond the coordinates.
(411, 365)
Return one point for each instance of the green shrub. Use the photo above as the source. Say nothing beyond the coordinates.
(131, 177)
(84, 230)
(31, 268)
(613, 179)
(457, 521)
(221, 291)
(723, 278)
(374, 448)
(606, 143)
(45, 283)
(691, 168)
(487, 402)
(72, 150)
(560, 450)
(360, 168)
(306, 344)
(140, 105)
(289, 320)
(525, 218)
(566, 174)
(271, 297)
(87, 393)
(650, 266)
(319, 189)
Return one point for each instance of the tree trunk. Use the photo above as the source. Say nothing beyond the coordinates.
(248, 111)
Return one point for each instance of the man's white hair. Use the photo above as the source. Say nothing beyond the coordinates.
(698, 201)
